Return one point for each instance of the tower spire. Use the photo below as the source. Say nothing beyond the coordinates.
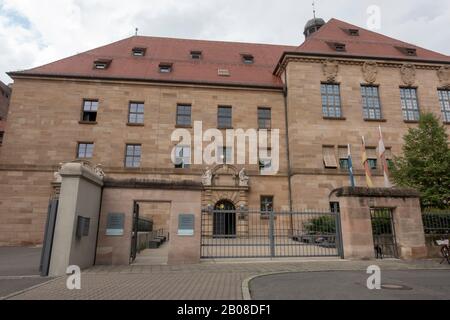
(314, 9)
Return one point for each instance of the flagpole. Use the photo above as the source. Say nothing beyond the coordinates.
(350, 167)
(366, 164)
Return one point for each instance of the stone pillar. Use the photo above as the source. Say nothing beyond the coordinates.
(357, 237)
(80, 195)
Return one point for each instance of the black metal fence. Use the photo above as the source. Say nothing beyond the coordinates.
(383, 230)
(436, 224)
(256, 233)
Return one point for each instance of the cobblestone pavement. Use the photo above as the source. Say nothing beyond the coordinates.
(210, 281)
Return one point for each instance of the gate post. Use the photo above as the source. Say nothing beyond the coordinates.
(339, 244)
(355, 206)
(272, 234)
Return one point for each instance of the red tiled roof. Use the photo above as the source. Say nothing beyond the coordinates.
(215, 55)
(223, 55)
(367, 44)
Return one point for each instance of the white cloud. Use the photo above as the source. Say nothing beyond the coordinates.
(34, 32)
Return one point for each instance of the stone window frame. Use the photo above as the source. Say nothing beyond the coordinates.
(371, 102)
(267, 120)
(224, 121)
(372, 157)
(89, 111)
(181, 113)
(182, 164)
(136, 113)
(414, 104)
(343, 157)
(265, 213)
(85, 145)
(134, 156)
(229, 156)
(444, 101)
(336, 105)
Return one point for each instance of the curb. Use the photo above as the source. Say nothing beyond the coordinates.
(245, 287)
(17, 293)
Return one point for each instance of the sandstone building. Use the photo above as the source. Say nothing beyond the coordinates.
(5, 96)
(119, 104)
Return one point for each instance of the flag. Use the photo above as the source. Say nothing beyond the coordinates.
(382, 155)
(350, 167)
(365, 162)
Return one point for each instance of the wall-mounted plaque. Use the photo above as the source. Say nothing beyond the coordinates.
(115, 224)
(83, 227)
(186, 224)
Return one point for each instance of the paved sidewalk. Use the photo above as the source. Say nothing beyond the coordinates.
(19, 269)
(211, 281)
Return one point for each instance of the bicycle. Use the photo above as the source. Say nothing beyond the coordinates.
(445, 250)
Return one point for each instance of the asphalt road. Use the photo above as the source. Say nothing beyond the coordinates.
(351, 285)
(19, 269)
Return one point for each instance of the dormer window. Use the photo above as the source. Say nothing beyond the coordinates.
(196, 55)
(408, 51)
(138, 51)
(248, 58)
(339, 46)
(353, 32)
(165, 67)
(102, 64)
(223, 72)
(411, 51)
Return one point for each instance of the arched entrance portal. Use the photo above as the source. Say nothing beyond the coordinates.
(224, 219)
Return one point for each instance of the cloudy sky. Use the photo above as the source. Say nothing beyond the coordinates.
(35, 32)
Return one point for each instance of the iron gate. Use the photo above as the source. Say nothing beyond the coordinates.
(259, 234)
(383, 231)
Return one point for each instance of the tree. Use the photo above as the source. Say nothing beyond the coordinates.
(425, 163)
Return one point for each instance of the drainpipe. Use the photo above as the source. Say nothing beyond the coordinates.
(285, 95)
(98, 225)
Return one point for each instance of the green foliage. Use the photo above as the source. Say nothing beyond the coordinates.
(425, 163)
(322, 224)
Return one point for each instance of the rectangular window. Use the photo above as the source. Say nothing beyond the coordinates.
(265, 165)
(133, 155)
(371, 102)
(224, 155)
(331, 100)
(373, 158)
(184, 115)
(85, 150)
(329, 158)
(136, 113)
(264, 118)
(1, 137)
(343, 158)
(224, 117)
(90, 109)
(266, 204)
(182, 157)
(410, 104)
(335, 207)
(389, 158)
(444, 99)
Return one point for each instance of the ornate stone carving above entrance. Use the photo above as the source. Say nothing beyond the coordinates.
(225, 182)
(330, 70)
(444, 76)
(370, 71)
(408, 73)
